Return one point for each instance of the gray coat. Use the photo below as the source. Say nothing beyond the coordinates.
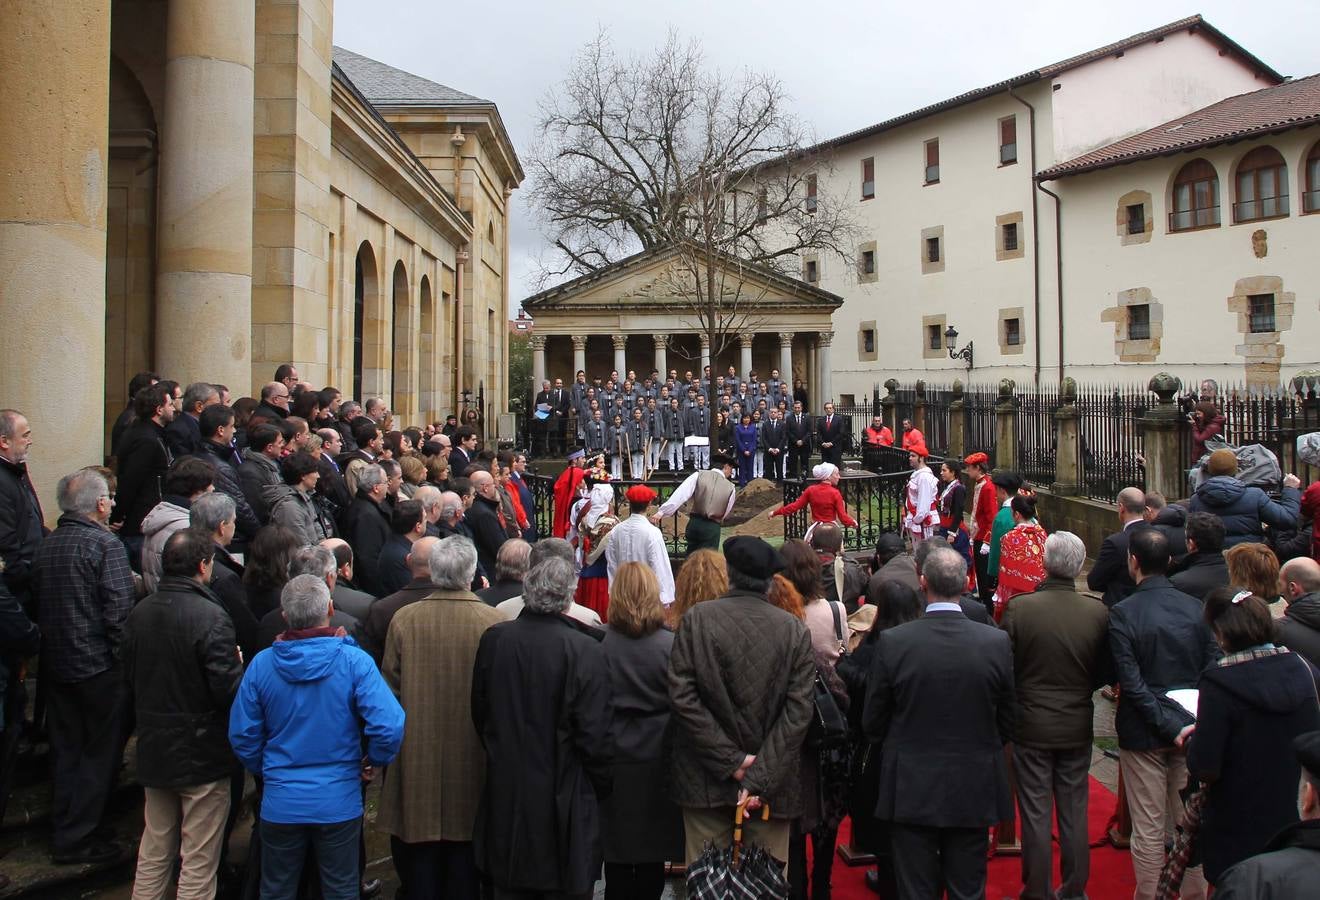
(740, 683)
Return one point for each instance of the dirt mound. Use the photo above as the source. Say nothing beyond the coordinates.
(758, 496)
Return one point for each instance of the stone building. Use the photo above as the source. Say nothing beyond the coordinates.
(207, 188)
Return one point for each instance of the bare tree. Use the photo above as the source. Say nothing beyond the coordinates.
(640, 154)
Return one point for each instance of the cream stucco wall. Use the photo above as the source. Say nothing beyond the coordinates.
(1191, 275)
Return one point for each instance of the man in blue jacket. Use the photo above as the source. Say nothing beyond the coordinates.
(302, 712)
(1244, 509)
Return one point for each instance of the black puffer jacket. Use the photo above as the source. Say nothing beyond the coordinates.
(21, 529)
(227, 482)
(1299, 629)
(181, 661)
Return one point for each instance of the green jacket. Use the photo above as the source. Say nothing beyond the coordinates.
(1001, 526)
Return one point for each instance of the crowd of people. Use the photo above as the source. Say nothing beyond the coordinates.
(288, 591)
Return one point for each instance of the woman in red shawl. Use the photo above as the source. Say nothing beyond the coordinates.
(566, 493)
(1021, 555)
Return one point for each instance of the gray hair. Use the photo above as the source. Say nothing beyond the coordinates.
(211, 510)
(318, 561)
(429, 496)
(1132, 500)
(373, 403)
(347, 408)
(79, 492)
(549, 586)
(1065, 554)
(453, 562)
(390, 468)
(199, 392)
(9, 422)
(513, 560)
(945, 573)
(314, 442)
(550, 548)
(305, 602)
(371, 477)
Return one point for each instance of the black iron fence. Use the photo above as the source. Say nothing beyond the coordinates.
(543, 497)
(874, 500)
(1110, 439)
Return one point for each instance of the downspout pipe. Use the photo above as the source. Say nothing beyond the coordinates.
(1058, 266)
(1035, 229)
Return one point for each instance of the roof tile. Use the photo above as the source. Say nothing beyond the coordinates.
(385, 85)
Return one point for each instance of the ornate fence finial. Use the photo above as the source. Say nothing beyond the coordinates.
(891, 385)
(1306, 385)
(1068, 390)
(920, 387)
(1165, 386)
(957, 389)
(1006, 388)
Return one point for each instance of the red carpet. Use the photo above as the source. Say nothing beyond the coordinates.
(1111, 870)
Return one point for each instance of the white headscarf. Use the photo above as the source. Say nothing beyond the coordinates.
(824, 471)
(602, 495)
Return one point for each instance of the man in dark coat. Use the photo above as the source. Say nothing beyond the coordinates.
(125, 419)
(1159, 643)
(1170, 519)
(376, 624)
(367, 526)
(1060, 656)
(261, 467)
(1109, 576)
(407, 526)
(484, 519)
(213, 514)
(798, 441)
(831, 435)
(144, 457)
(1299, 629)
(541, 693)
(740, 682)
(274, 405)
(217, 429)
(1203, 568)
(182, 665)
(774, 440)
(940, 700)
(1287, 868)
(21, 527)
(891, 563)
(184, 434)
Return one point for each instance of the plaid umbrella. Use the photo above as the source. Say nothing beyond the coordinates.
(1184, 844)
(737, 872)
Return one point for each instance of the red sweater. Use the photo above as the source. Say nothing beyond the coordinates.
(826, 505)
(986, 507)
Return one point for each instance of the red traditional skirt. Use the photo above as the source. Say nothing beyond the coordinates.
(594, 594)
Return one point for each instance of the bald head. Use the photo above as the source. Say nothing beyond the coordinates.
(429, 496)
(481, 478)
(451, 506)
(1299, 577)
(419, 558)
(1131, 504)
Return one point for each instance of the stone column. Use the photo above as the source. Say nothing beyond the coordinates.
(957, 448)
(537, 343)
(621, 354)
(1006, 409)
(813, 375)
(825, 377)
(889, 405)
(786, 358)
(745, 355)
(579, 353)
(204, 227)
(705, 354)
(1067, 472)
(55, 67)
(919, 408)
(1164, 467)
(661, 355)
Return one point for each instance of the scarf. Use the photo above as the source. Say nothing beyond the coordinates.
(316, 631)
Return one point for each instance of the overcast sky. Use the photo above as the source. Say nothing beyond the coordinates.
(846, 64)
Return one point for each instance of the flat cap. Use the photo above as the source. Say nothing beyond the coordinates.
(752, 556)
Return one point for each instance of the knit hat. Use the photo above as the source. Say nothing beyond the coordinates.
(1221, 462)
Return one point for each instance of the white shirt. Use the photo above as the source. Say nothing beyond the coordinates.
(636, 540)
(921, 490)
(684, 494)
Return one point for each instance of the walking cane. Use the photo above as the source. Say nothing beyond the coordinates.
(627, 446)
(646, 460)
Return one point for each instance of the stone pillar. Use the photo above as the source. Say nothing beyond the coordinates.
(55, 63)
(957, 448)
(745, 355)
(919, 408)
(661, 357)
(537, 343)
(786, 358)
(705, 354)
(826, 376)
(621, 355)
(1165, 469)
(204, 226)
(579, 353)
(1006, 409)
(1067, 472)
(889, 405)
(813, 374)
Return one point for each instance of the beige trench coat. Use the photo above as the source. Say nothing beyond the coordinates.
(432, 790)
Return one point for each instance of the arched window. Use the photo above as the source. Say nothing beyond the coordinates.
(1195, 197)
(1262, 186)
(1311, 199)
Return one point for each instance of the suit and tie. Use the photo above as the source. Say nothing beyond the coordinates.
(830, 430)
(799, 444)
(1110, 575)
(940, 701)
(774, 437)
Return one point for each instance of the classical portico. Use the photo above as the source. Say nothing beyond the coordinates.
(630, 316)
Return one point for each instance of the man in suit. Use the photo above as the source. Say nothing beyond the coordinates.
(831, 433)
(1110, 575)
(940, 700)
(1159, 643)
(799, 441)
(558, 416)
(774, 440)
(465, 448)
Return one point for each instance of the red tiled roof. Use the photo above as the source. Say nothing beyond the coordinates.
(1266, 111)
(1192, 23)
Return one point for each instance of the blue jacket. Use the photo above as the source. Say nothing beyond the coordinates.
(1243, 509)
(299, 719)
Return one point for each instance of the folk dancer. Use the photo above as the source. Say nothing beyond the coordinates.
(984, 507)
(595, 520)
(566, 492)
(952, 505)
(922, 496)
(712, 495)
(824, 499)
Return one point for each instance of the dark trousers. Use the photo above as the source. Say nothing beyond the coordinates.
(985, 585)
(1055, 778)
(639, 881)
(87, 734)
(702, 534)
(928, 861)
(797, 462)
(433, 869)
(774, 465)
(284, 847)
(822, 861)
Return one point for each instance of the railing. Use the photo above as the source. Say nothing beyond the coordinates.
(1264, 208)
(1187, 219)
(875, 501)
(543, 498)
(1109, 440)
(1036, 435)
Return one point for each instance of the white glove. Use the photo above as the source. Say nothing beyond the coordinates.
(985, 549)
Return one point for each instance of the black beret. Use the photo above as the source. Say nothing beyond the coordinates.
(1307, 748)
(720, 460)
(752, 556)
(888, 543)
